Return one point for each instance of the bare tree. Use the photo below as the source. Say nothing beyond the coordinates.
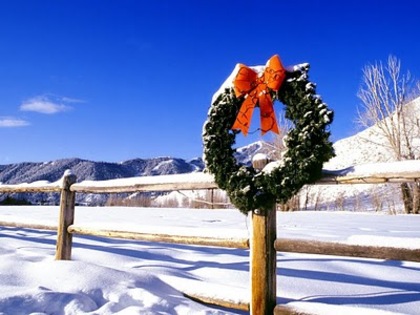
(388, 100)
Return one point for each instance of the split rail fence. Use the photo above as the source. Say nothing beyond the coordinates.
(263, 243)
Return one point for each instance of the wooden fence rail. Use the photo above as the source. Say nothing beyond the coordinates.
(263, 243)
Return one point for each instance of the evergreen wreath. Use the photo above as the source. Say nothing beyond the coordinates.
(307, 142)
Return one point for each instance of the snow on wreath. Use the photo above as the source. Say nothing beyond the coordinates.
(307, 142)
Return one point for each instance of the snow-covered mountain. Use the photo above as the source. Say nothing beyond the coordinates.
(90, 170)
(244, 154)
(52, 171)
(28, 172)
(367, 146)
(371, 146)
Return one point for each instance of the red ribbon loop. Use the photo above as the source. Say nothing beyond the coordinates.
(256, 90)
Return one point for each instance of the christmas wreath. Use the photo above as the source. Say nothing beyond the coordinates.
(307, 142)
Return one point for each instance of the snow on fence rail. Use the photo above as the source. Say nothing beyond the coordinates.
(263, 243)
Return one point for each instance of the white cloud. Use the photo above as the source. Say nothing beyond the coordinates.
(9, 122)
(45, 105)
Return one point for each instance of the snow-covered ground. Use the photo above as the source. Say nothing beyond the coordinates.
(114, 276)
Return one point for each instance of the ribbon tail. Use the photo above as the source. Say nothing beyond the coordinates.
(243, 119)
(268, 116)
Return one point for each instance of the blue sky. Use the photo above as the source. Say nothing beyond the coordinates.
(115, 80)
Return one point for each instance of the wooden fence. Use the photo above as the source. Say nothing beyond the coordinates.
(263, 243)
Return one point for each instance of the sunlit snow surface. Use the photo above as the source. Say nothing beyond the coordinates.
(114, 276)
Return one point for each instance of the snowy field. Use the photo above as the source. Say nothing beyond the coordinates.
(114, 276)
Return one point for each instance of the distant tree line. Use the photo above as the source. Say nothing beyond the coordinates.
(10, 201)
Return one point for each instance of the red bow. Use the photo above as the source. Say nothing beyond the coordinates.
(256, 90)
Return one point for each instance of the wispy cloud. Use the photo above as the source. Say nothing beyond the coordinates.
(10, 122)
(47, 104)
(71, 100)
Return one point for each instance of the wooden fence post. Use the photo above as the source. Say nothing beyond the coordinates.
(263, 268)
(67, 203)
